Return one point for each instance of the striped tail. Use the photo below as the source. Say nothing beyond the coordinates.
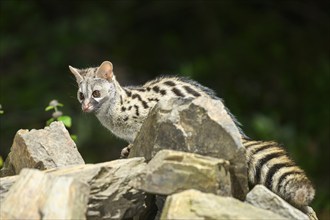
(269, 165)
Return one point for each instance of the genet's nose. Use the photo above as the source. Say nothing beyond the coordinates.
(86, 106)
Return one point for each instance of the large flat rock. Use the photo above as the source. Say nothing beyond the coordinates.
(174, 171)
(200, 126)
(111, 196)
(263, 198)
(193, 204)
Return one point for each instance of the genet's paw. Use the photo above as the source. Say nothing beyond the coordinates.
(125, 151)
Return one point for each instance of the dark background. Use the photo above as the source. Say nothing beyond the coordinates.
(269, 61)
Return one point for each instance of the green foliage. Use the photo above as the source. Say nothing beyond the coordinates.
(74, 137)
(58, 116)
(49, 121)
(264, 126)
(1, 111)
(66, 120)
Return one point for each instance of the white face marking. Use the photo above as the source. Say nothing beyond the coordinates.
(98, 99)
(92, 93)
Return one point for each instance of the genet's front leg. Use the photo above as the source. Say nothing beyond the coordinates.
(125, 151)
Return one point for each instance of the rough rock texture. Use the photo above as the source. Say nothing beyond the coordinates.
(193, 204)
(174, 171)
(36, 195)
(41, 149)
(132, 189)
(200, 126)
(110, 197)
(309, 211)
(5, 184)
(263, 198)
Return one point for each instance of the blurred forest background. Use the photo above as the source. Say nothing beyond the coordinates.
(269, 61)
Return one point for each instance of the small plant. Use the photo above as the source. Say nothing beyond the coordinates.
(58, 116)
(1, 111)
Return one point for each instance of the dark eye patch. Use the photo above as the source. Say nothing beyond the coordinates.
(96, 94)
(81, 96)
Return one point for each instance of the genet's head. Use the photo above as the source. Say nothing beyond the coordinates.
(95, 86)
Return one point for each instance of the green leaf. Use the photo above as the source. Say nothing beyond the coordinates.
(49, 108)
(50, 121)
(1, 162)
(74, 137)
(1, 112)
(66, 120)
(60, 104)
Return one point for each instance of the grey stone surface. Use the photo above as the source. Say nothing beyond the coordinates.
(111, 196)
(263, 198)
(193, 204)
(309, 211)
(200, 126)
(5, 184)
(174, 171)
(121, 189)
(41, 149)
(37, 195)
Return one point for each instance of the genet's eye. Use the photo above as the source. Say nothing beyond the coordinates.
(81, 96)
(96, 94)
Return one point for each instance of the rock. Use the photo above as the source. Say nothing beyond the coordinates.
(309, 211)
(174, 171)
(41, 149)
(5, 184)
(263, 198)
(111, 196)
(200, 126)
(195, 159)
(37, 195)
(193, 204)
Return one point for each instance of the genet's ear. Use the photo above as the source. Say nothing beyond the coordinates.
(76, 73)
(105, 71)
